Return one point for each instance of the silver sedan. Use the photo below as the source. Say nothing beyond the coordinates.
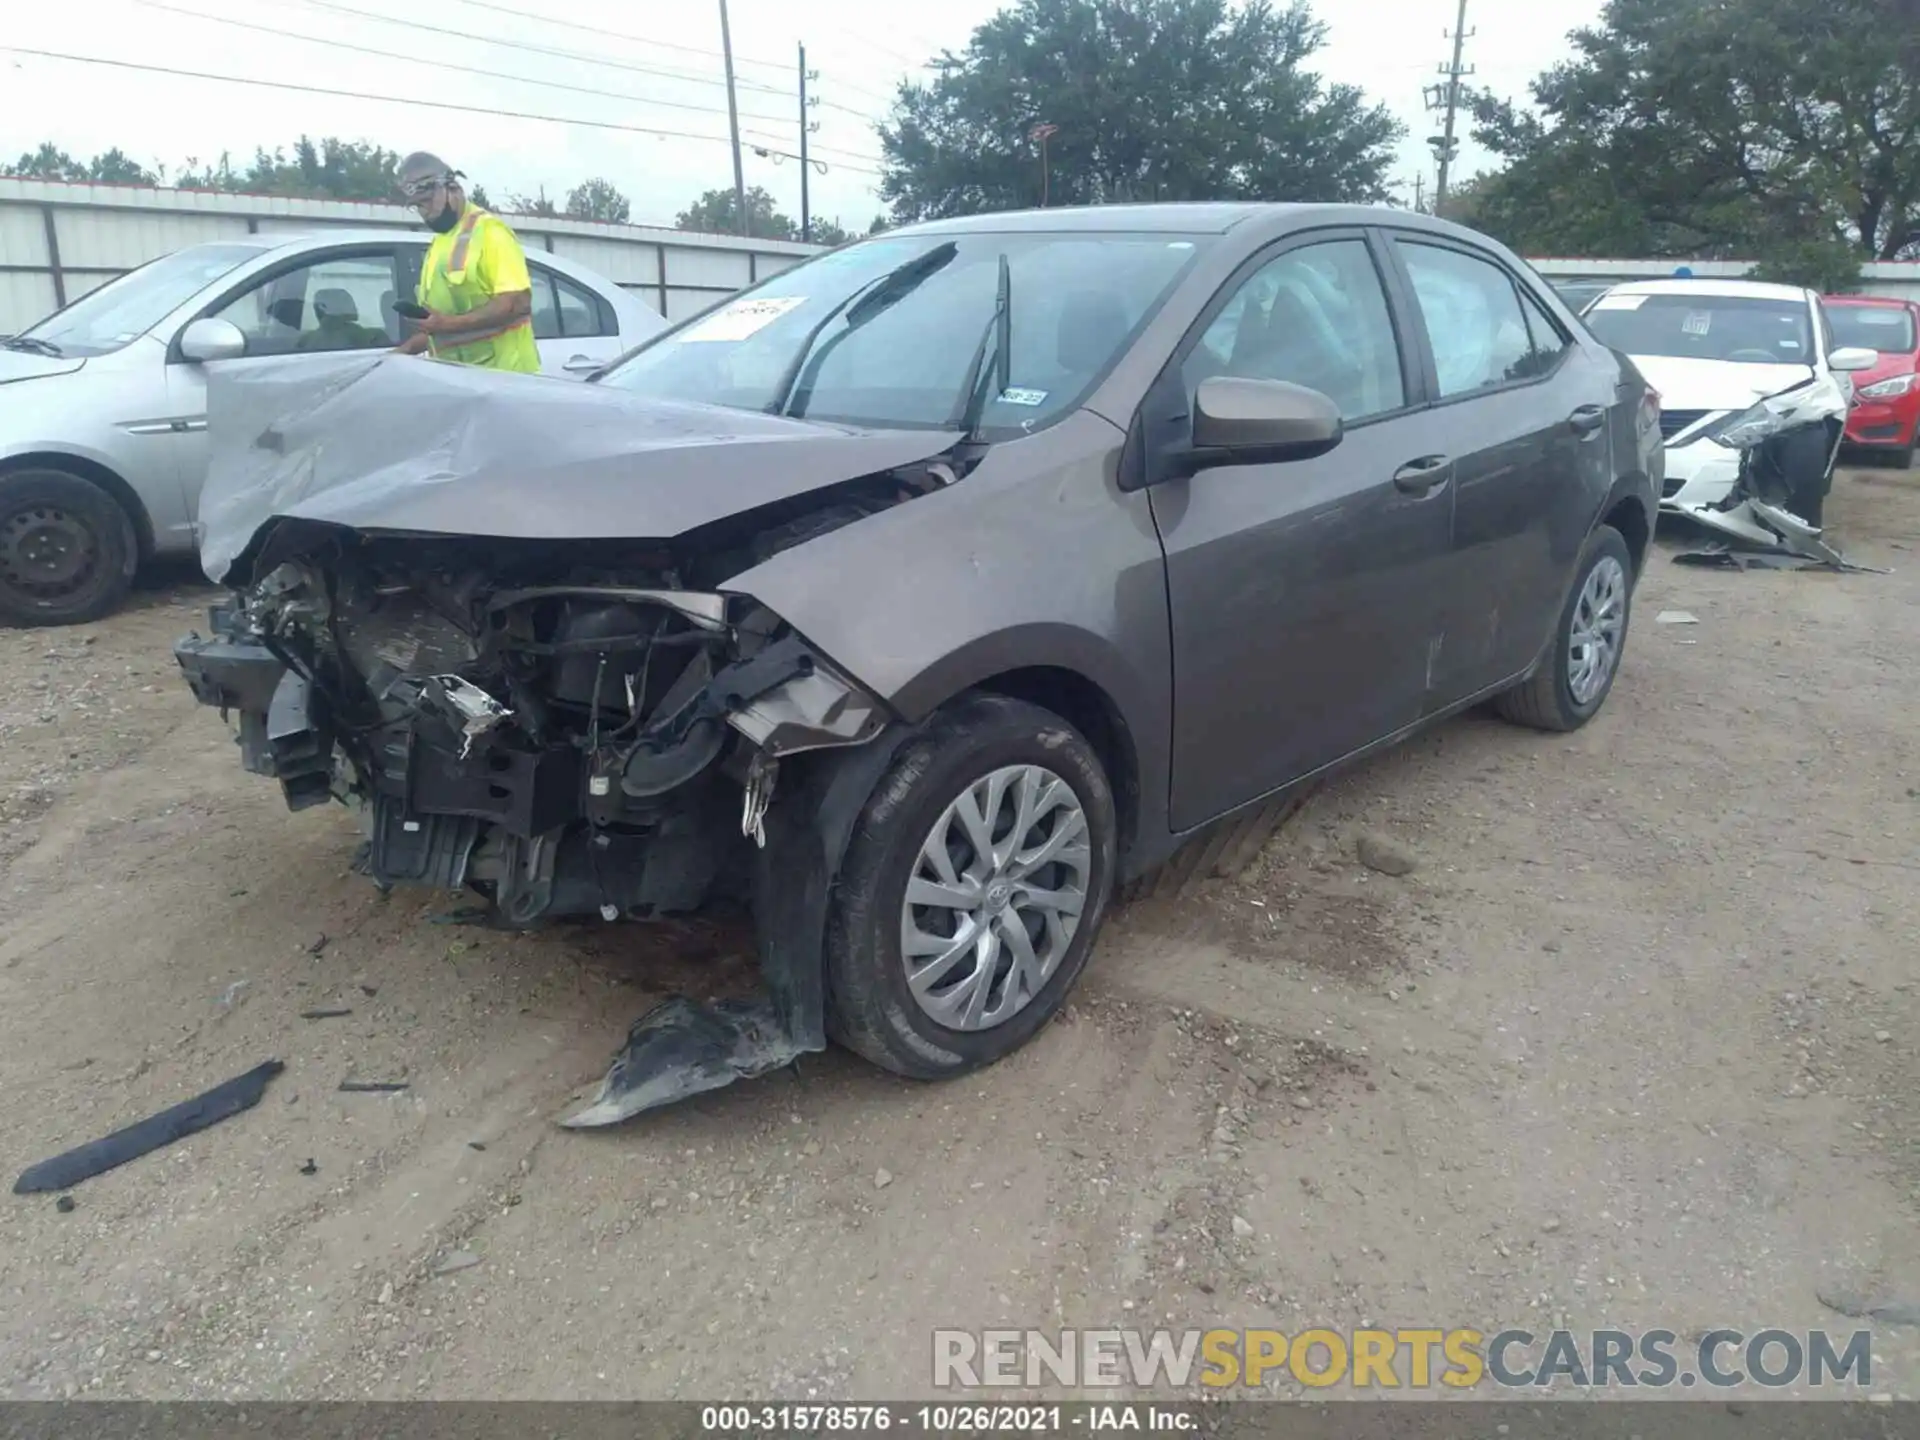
(103, 409)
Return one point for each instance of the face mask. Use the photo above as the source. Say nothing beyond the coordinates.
(448, 217)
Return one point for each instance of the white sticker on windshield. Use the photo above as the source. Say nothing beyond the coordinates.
(1023, 397)
(742, 318)
(1698, 322)
(1619, 302)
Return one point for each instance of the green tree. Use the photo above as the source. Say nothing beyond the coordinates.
(1771, 129)
(1152, 100)
(537, 205)
(114, 167)
(327, 169)
(715, 213)
(597, 200)
(48, 163)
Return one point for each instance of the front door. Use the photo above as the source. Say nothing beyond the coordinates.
(1302, 594)
(319, 304)
(1523, 413)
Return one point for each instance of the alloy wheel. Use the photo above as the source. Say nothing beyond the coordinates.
(995, 896)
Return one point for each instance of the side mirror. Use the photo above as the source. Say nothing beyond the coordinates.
(1254, 422)
(206, 340)
(1853, 357)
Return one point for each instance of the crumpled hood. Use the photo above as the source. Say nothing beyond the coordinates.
(30, 365)
(395, 443)
(1687, 384)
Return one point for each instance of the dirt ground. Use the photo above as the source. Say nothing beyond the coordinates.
(1633, 1045)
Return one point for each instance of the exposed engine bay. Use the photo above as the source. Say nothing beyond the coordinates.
(568, 727)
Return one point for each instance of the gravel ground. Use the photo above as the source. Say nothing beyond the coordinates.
(1631, 1044)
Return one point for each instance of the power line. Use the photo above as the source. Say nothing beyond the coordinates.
(531, 48)
(394, 100)
(448, 64)
(617, 34)
(815, 148)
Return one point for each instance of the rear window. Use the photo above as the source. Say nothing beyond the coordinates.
(1887, 328)
(1738, 328)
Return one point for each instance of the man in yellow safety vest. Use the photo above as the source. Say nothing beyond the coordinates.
(474, 283)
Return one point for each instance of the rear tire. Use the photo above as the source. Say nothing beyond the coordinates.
(1551, 699)
(68, 552)
(913, 815)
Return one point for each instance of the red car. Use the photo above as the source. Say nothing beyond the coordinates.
(1886, 403)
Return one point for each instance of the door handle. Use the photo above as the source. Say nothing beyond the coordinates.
(581, 364)
(1587, 420)
(1417, 477)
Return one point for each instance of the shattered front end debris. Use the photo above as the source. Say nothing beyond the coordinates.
(572, 721)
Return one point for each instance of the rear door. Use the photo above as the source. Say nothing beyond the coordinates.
(1521, 412)
(1301, 593)
(575, 328)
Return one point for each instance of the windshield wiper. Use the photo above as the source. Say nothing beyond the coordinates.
(32, 344)
(859, 307)
(972, 404)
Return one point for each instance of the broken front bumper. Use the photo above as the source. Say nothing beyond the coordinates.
(279, 734)
(1698, 476)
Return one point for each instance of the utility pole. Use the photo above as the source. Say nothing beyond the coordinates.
(1419, 194)
(806, 210)
(733, 125)
(1043, 132)
(1447, 97)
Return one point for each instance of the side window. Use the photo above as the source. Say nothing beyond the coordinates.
(1473, 317)
(546, 315)
(335, 303)
(579, 311)
(1549, 341)
(1315, 316)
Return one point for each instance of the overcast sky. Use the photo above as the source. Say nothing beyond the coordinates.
(668, 78)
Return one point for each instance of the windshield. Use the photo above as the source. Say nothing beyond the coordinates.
(1739, 328)
(1886, 328)
(125, 308)
(1076, 302)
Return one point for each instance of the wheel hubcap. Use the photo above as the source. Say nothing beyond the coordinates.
(1593, 647)
(995, 897)
(46, 552)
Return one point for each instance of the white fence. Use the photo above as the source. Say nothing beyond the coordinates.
(1897, 278)
(58, 241)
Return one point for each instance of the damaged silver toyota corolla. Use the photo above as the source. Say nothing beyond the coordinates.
(923, 593)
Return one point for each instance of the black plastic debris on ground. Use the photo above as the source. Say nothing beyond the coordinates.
(372, 1087)
(223, 1102)
(332, 1014)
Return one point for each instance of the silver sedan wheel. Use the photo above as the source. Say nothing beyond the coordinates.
(995, 896)
(1599, 619)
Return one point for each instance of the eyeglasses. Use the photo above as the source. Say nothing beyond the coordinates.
(421, 189)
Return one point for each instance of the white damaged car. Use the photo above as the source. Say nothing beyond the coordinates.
(1735, 362)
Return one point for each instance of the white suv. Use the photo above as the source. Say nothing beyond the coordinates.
(1715, 349)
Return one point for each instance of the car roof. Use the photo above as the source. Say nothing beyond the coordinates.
(1893, 301)
(1180, 217)
(1719, 289)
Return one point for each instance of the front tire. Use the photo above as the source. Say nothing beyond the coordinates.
(1575, 678)
(68, 552)
(972, 892)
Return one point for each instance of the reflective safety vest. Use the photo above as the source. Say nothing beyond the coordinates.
(465, 268)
